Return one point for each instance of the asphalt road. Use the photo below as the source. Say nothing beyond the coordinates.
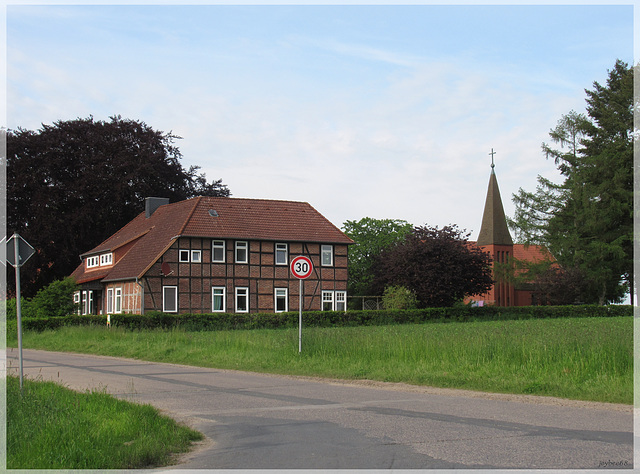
(256, 421)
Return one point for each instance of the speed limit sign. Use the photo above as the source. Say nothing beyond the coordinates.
(301, 267)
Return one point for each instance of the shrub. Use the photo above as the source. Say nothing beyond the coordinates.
(399, 297)
(25, 309)
(56, 299)
(231, 321)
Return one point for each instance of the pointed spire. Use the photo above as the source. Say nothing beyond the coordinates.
(494, 230)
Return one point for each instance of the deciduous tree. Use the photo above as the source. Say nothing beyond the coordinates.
(72, 184)
(371, 236)
(439, 265)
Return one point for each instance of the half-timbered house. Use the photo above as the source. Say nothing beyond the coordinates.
(215, 254)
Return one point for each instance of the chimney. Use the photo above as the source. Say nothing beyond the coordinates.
(151, 204)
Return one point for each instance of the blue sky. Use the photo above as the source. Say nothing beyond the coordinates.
(362, 111)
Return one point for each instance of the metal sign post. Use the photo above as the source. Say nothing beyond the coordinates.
(301, 297)
(18, 252)
(302, 268)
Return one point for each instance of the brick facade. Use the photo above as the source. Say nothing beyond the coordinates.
(261, 275)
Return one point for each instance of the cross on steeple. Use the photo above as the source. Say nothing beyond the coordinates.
(492, 153)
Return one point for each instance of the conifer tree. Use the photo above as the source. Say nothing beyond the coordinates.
(587, 221)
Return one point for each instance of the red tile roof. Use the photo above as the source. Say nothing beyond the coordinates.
(532, 253)
(261, 219)
(250, 219)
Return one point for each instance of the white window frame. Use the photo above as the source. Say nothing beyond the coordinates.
(340, 301)
(164, 299)
(242, 245)
(106, 259)
(281, 249)
(224, 299)
(109, 300)
(184, 256)
(326, 251)
(90, 307)
(87, 302)
(76, 301)
(281, 293)
(196, 256)
(328, 297)
(117, 302)
(218, 244)
(242, 291)
(93, 262)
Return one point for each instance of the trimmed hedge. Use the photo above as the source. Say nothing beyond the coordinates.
(226, 321)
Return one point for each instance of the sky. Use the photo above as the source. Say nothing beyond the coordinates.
(385, 111)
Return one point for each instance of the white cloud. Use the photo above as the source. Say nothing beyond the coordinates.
(354, 129)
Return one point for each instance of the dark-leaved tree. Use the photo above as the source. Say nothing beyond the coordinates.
(439, 265)
(72, 184)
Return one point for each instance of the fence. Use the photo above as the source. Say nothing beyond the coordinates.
(364, 302)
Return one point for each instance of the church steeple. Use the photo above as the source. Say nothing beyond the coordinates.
(494, 230)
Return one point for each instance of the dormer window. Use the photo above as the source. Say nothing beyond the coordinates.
(103, 260)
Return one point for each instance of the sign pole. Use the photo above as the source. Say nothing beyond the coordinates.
(301, 268)
(16, 255)
(300, 320)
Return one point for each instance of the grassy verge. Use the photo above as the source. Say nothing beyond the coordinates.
(51, 427)
(578, 358)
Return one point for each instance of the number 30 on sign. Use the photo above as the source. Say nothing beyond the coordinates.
(301, 267)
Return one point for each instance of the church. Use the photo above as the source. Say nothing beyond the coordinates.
(495, 239)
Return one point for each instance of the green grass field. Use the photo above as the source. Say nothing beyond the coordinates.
(577, 358)
(51, 427)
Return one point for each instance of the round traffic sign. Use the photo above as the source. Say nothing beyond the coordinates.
(301, 267)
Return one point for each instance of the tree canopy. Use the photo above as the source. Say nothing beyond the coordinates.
(371, 236)
(72, 184)
(587, 220)
(439, 265)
